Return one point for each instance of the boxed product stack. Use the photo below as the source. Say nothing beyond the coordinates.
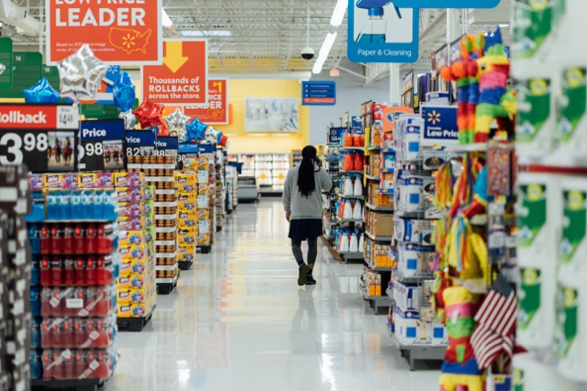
(186, 185)
(206, 204)
(15, 278)
(75, 236)
(136, 297)
(373, 283)
(159, 173)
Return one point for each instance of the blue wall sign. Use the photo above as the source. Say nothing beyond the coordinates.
(318, 93)
(334, 135)
(447, 3)
(440, 125)
(381, 32)
(357, 124)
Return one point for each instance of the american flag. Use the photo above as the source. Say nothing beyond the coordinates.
(496, 322)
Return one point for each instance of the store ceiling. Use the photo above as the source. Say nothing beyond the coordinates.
(265, 35)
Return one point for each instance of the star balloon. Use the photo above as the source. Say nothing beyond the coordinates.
(124, 92)
(177, 120)
(150, 114)
(130, 121)
(42, 92)
(81, 74)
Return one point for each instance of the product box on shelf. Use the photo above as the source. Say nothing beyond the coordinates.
(380, 224)
(415, 328)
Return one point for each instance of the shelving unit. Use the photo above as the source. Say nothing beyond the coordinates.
(269, 169)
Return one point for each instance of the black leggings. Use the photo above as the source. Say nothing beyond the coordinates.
(296, 246)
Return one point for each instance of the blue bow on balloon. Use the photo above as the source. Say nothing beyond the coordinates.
(42, 92)
(124, 92)
(196, 130)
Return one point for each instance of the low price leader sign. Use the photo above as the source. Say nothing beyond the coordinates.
(216, 111)
(182, 80)
(121, 32)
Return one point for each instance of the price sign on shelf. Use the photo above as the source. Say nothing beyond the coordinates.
(41, 136)
(102, 145)
(140, 143)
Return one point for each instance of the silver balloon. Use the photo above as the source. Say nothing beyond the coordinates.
(177, 120)
(181, 134)
(129, 118)
(2, 68)
(81, 74)
(211, 135)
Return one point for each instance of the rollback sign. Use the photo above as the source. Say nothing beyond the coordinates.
(41, 136)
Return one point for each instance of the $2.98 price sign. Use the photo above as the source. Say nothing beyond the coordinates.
(40, 150)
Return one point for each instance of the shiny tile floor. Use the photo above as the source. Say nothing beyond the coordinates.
(238, 321)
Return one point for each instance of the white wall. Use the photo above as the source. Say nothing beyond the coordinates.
(350, 94)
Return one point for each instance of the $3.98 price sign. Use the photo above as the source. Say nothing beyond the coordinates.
(102, 145)
(41, 150)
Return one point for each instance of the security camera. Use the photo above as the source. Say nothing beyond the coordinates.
(308, 53)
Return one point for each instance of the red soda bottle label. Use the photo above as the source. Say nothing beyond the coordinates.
(69, 272)
(56, 271)
(80, 271)
(91, 271)
(45, 272)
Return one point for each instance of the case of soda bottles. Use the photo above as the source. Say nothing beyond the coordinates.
(66, 364)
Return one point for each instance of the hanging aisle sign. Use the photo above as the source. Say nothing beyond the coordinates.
(379, 31)
(318, 93)
(41, 136)
(217, 110)
(447, 3)
(182, 79)
(119, 32)
(102, 145)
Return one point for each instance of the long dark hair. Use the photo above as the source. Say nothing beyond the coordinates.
(306, 181)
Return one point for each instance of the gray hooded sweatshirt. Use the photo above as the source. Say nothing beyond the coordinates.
(301, 207)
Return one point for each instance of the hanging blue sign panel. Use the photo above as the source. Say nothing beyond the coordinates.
(447, 3)
(318, 93)
(379, 31)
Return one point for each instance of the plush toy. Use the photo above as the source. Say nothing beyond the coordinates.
(495, 100)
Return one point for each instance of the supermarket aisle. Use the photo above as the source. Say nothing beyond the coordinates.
(240, 322)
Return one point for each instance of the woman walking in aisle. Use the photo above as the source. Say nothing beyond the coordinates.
(302, 200)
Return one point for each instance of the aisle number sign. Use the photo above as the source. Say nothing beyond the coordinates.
(217, 110)
(182, 79)
(369, 41)
(123, 32)
(42, 137)
(447, 3)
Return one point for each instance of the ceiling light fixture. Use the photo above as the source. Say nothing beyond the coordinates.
(339, 12)
(206, 33)
(166, 21)
(324, 53)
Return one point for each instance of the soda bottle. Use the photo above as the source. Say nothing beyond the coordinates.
(56, 270)
(69, 367)
(46, 296)
(58, 373)
(46, 277)
(56, 330)
(56, 239)
(46, 334)
(35, 239)
(91, 234)
(48, 364)
(68, 239)
(81, 363)
(79, 239)
(45, 239)
(91, 271)
(69, 271)
(80, 271)
(103, 370)
(68, 338)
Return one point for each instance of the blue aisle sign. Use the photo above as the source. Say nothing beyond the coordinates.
(318, 93)
(357, 124)
(440, 125)
(101, 145)
(379, 31)
(447, 3)
(334, 135)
